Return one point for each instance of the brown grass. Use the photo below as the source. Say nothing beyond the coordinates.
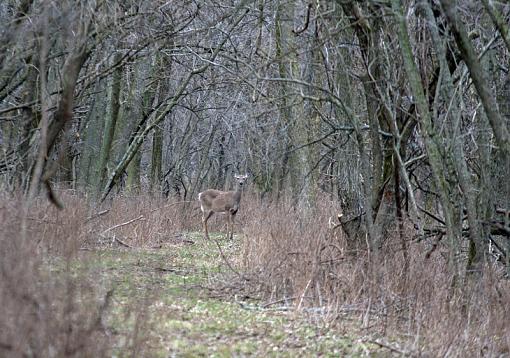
(51, 302)
(301, 262)
(44, 314)
(305, 264)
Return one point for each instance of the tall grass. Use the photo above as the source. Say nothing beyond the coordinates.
(50, 308)
(53, 304)
(47, 310)
(306, 265)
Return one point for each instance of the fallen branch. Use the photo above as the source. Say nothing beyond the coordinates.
(123, 243)
(431, 215)
(141, 217)
(238, 274)
(172, 270)
(101, 213)
(387, 346)
(266, 305)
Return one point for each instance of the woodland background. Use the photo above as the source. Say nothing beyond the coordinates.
(394, 113)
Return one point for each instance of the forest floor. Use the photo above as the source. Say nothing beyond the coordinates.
(186, 308)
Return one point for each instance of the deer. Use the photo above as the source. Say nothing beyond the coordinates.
(217, 201)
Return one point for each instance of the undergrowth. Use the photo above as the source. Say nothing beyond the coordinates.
(91, 281)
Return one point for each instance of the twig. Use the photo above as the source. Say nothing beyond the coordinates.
(307, 21)
(266, 305)
(141, 217)
(43, 221)
(303, 294)
(101, 213)
(428, 213)
(170, 269)
(241, 276)
(122, 242)
(387, 346)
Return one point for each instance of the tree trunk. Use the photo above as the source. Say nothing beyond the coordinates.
(160, 64)
(287, 170)
(432, 147)
(133, 174)
(111, 117)
(30, 120)
(469, 192)
(156, 160)
(90, 134)
(479, 77)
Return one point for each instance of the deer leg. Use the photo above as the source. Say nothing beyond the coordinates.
(204, 221)
(232, 217)
(229, 218)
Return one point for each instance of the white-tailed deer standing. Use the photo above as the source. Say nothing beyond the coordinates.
(216, 201)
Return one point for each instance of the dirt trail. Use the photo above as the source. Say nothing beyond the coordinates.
(174, 301)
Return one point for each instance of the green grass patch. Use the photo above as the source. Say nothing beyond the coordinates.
(162, 302)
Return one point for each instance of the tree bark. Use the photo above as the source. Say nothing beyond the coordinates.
(432, 147)
(288, 168)
(90, 135)
(156, 160)
(469, 192)
(110, 124)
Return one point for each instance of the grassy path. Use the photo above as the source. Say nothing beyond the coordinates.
(168, 302)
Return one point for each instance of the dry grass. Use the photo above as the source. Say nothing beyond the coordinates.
(305, 264)
(53, 302)
(43, 313)
(291, 256)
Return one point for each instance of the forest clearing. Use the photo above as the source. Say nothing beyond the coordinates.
(254, 178)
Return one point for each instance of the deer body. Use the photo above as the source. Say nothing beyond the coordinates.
(217, 201)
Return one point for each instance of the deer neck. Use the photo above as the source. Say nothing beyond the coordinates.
(237, 194)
